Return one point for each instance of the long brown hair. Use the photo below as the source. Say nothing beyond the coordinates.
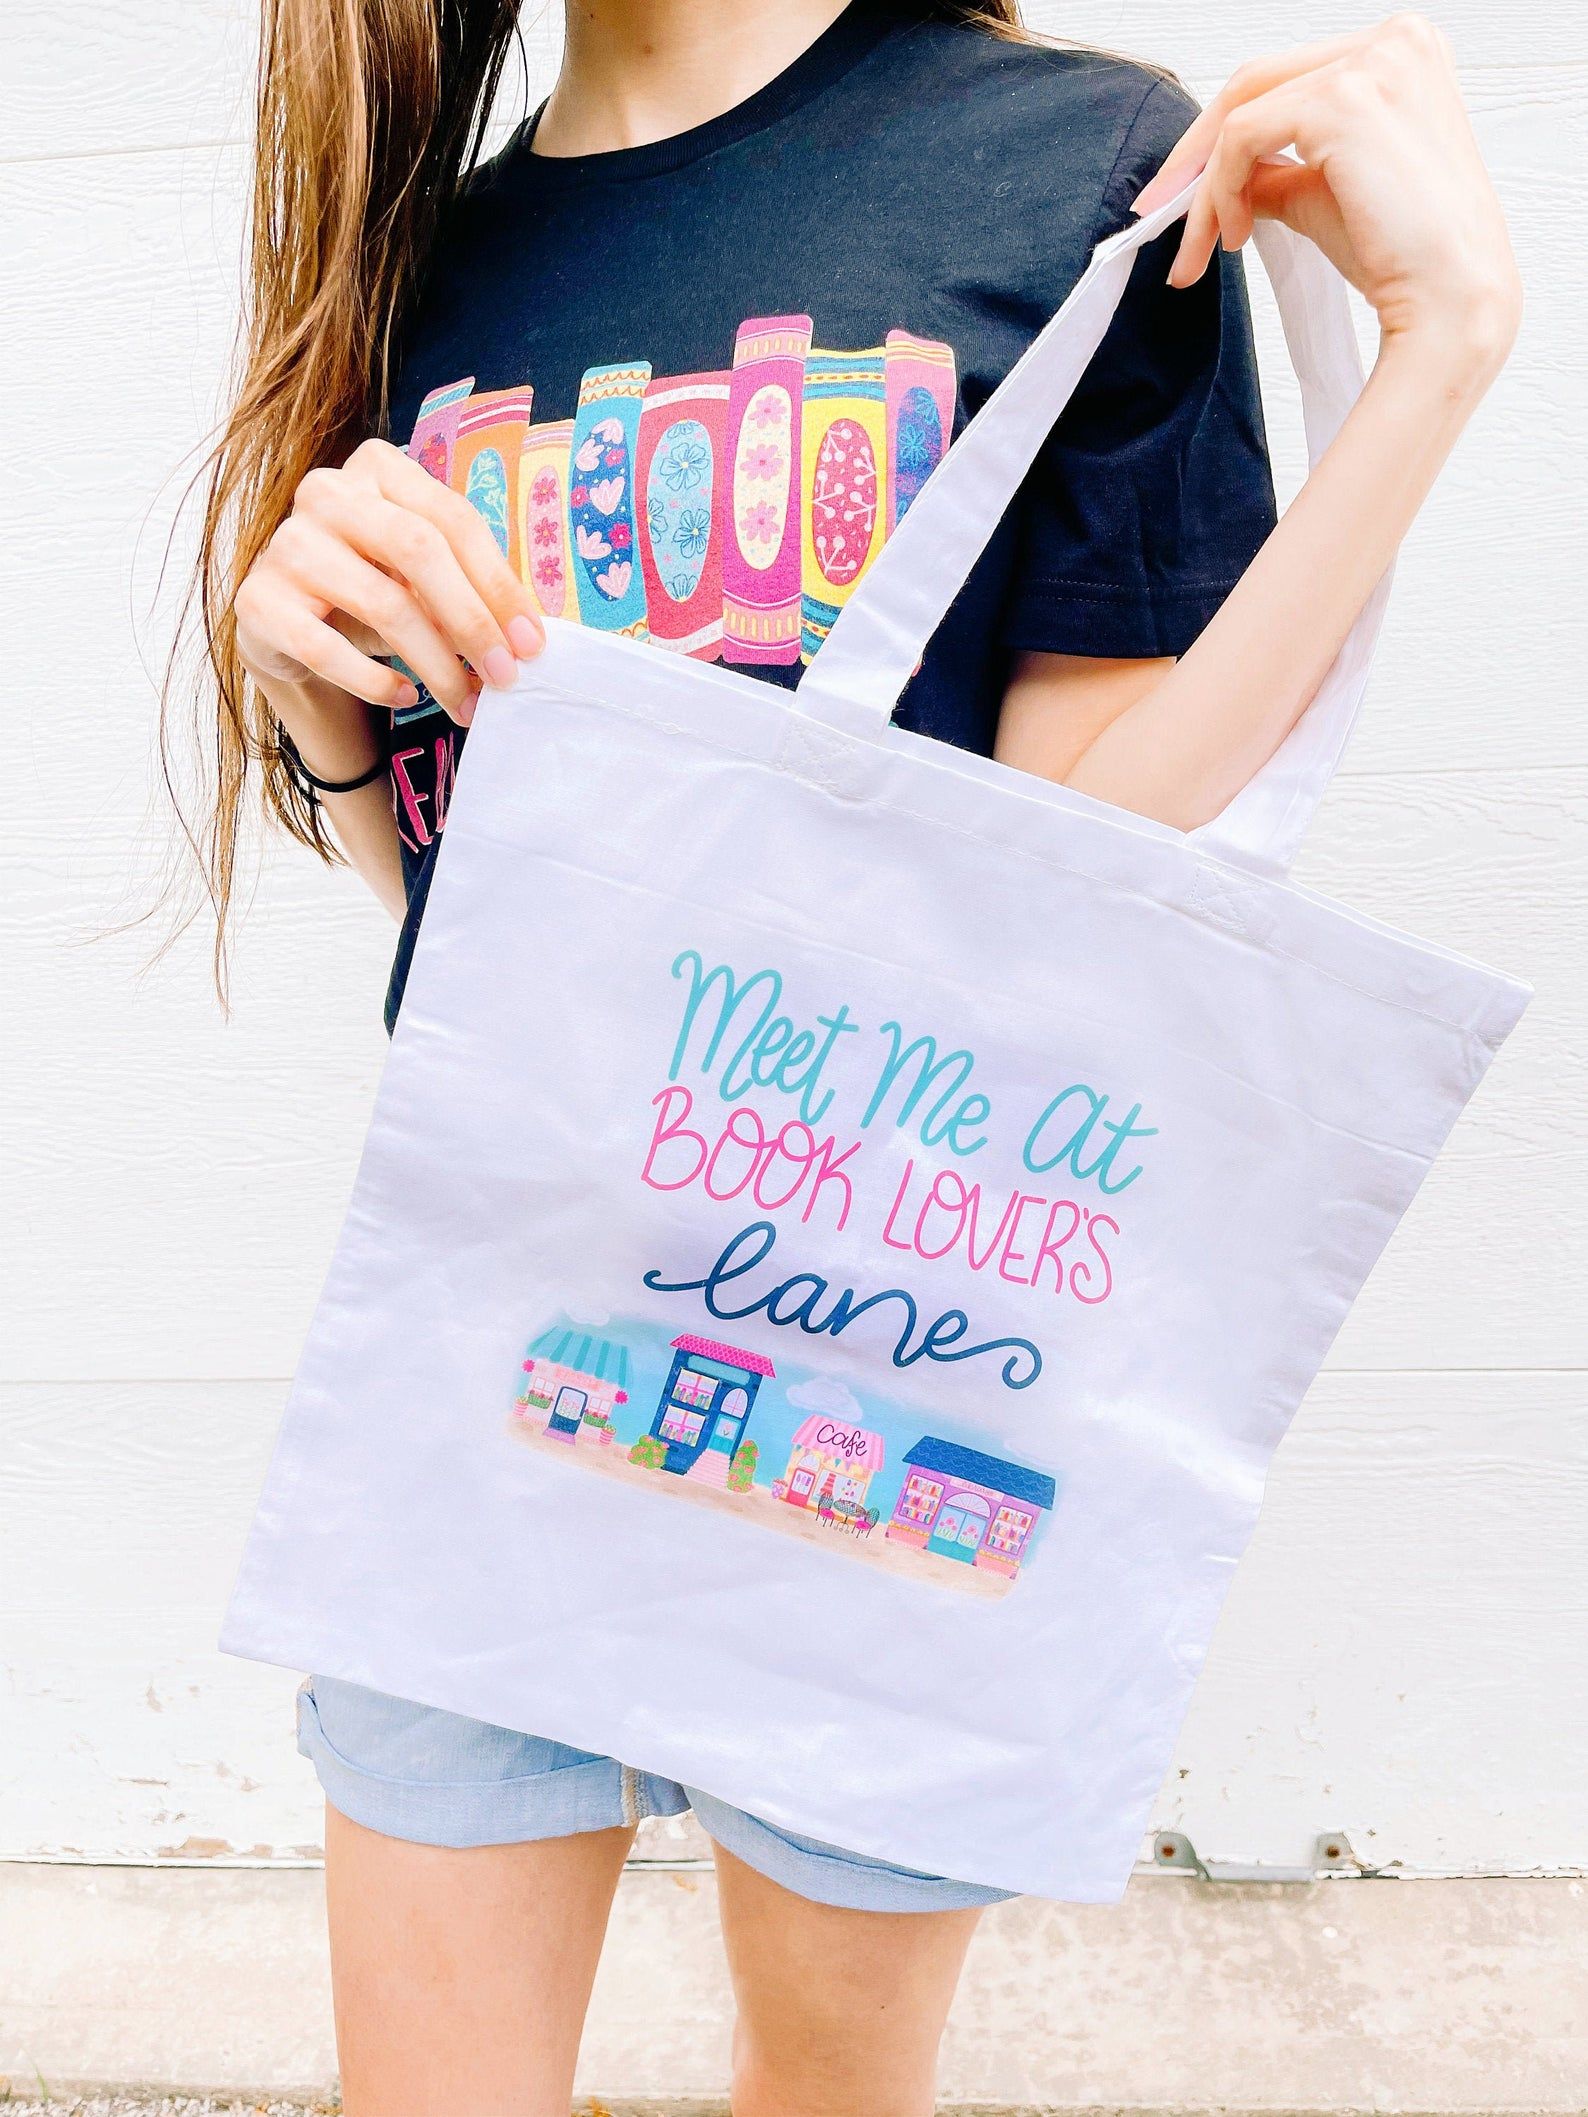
(369, 113)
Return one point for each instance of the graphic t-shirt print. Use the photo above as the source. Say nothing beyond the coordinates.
(727, 515)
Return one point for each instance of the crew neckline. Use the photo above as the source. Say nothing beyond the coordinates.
(862, 26)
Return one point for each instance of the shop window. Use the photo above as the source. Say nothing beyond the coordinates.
(920, 1500)
(1010, 1528)
(692, 1388)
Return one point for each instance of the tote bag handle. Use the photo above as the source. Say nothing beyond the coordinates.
(880, 635)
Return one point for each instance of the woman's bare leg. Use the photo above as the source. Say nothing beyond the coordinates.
(461, 1978)
(840, 2012)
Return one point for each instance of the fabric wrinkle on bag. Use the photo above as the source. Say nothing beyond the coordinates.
(846, 1224)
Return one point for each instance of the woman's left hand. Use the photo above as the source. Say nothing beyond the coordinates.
(1388, 182)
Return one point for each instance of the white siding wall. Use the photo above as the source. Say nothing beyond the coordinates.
(1402, 1654)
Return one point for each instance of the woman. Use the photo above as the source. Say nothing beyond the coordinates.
(710, 184)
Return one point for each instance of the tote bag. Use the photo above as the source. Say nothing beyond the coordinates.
(846, 1224)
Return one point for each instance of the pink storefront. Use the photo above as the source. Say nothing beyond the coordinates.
(831, 1460)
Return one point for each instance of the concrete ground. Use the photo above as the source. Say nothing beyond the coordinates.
(163, 2106)
(155, 2104)
(1443, 1999)
(189, 2106)
(166, 2106)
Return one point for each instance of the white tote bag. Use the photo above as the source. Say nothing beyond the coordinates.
(845, 1224)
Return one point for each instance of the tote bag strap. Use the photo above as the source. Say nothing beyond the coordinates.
(879, 636)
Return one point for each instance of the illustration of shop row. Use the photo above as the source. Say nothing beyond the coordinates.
(954, 1502)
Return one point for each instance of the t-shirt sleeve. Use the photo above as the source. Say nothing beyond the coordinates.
(1153, 492)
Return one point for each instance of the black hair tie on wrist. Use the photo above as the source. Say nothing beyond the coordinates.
(310, 783)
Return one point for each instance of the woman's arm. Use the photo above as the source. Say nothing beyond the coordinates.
(377, 558)
(1390, 185)
(1056, 706)
(335, 735)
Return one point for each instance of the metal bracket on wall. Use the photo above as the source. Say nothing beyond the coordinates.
(1332, 1858)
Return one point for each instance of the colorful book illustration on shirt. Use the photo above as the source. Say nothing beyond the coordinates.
(601, 497)
(698, 1419)
(436, 428)
(920, 412)
(761, 496)
(728, 513)
(843, 482)
(546, 554)
(678, 469)
(485, 457)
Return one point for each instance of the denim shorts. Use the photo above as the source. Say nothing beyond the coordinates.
(435, 1778)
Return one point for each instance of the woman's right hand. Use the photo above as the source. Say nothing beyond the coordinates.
(379, 557)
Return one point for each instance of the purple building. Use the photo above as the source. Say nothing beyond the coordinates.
(961, 1504)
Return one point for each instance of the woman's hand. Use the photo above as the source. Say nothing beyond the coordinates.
(379, 557)
(1388, 183)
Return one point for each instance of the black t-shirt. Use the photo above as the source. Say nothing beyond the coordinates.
(694, 384)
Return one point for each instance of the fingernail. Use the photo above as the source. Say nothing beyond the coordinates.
(406, 696)
(1150, 193)
(499, 669)
(523, 638)
(466, 710)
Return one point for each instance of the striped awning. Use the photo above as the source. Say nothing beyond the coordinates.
(566, 1345)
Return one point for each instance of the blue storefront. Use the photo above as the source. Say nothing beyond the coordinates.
(706, 1406)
